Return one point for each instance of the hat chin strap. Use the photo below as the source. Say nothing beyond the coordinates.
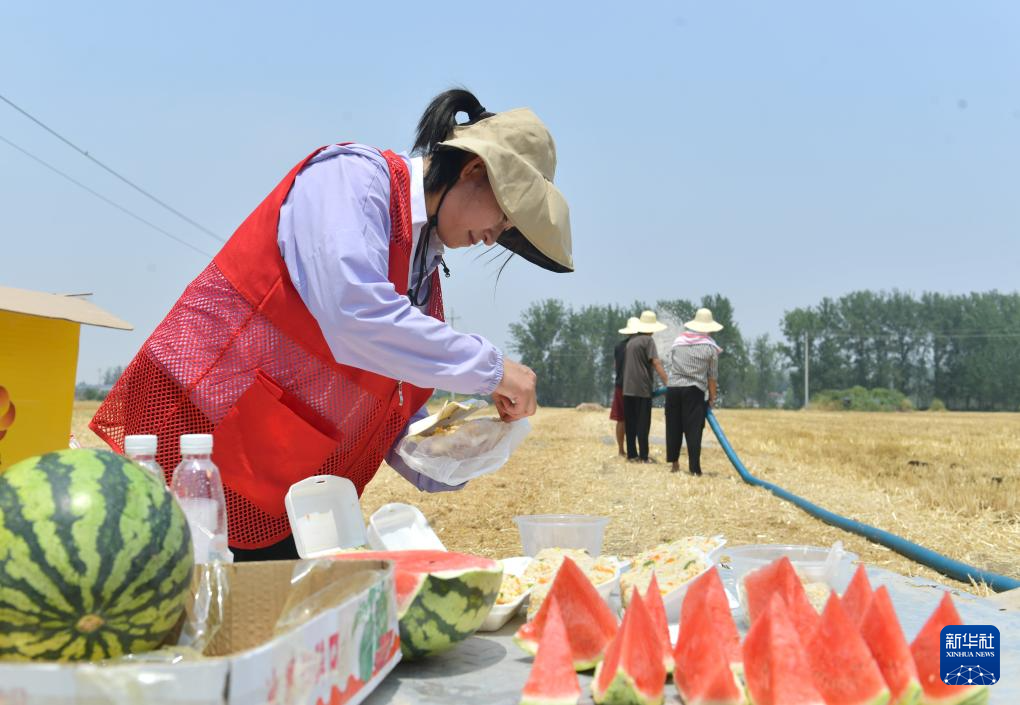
(420, 259)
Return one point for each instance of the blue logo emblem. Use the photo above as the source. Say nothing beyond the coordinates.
(970, 654)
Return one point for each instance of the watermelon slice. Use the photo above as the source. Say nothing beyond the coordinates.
(706, 596)
(704, 671)
(857, 597)
(780, 578)
(845, 672)
(632, 672)
(883, 635)
(442, 597)
(775, 666)
(590, 623)
(552, 680)
(927, 655)
(657, 611)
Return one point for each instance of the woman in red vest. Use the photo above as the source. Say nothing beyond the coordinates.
(316, 334)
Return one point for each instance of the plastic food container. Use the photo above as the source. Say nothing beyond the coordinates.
(816, 564)
(813, 562)
(325, 516)
(499, 615)
(401, 527)
(540, 531)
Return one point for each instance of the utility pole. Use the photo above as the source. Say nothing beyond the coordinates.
(807, 367)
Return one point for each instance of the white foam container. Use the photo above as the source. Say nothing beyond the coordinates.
(499, 615)
(324, 515)
(401, 527)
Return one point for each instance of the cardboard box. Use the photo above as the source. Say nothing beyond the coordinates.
(38, 361)
(347, 644)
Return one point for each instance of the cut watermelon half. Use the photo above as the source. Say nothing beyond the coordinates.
(927, 655)
(775, 667)
(780, 578)
(884, 637)
(857, 597)
(657, 611)
(442, 597)
(590, 623)
(844, 670)
(704, 672)
(632, 672)
(552, 680)
(706, 596)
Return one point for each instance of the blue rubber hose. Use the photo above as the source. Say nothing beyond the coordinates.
(936, 561)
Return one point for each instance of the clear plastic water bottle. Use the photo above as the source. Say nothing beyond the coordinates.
(199, 490)
(142, 450)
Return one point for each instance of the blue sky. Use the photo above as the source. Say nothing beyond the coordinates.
(774, 152)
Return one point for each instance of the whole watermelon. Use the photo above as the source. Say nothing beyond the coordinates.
(95, 558)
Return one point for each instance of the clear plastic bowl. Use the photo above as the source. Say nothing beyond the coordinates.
(811, 561)
(540, 531)
(832, 566)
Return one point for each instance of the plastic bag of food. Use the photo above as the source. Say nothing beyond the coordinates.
(453, 449)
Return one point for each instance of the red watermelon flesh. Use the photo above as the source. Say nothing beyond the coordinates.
(552, 680)
(721, 689)
(927, 655)
(590, 623)
(845, 672)
(857, 597)
(703, 672)
(657, 611)
(706, 596)
(775, 665)
(632, 671)
(884, 637)
(780, 578)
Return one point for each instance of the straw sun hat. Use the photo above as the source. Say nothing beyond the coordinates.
(520, 158)
(647, 323)
(703, 322)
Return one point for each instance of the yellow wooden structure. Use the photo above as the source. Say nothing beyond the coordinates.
(38, 361)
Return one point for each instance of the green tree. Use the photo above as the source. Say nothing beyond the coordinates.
(765, 374)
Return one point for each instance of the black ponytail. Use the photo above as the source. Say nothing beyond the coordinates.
(435, 126)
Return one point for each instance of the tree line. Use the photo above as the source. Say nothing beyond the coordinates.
(960, 351)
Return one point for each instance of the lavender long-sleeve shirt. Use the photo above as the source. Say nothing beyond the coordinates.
(334, 236)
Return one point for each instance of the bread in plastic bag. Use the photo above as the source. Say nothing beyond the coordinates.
(460, 452)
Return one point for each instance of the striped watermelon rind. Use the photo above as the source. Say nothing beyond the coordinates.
(95, 558)
(442, 597)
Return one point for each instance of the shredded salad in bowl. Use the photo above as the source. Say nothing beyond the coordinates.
(674, 564)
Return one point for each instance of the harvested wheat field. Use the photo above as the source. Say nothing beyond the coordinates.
(948, 481)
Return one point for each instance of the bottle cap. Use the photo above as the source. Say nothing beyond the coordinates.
(196, 444)
(140, 445)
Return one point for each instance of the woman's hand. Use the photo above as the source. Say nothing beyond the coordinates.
(515, 395)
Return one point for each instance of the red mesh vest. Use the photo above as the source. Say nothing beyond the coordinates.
(240, 357)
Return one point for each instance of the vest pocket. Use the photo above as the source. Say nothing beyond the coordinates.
(266, 443)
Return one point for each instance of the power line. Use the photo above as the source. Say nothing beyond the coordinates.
(127, 181)
(103, 198)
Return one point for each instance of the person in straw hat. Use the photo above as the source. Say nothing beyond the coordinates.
(316, 334)
(693, 372)
(640, 361)
(619, 357)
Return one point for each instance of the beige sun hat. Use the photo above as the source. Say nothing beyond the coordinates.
(703, 322)
(649, 323)
(520, 157)
(632, 324)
